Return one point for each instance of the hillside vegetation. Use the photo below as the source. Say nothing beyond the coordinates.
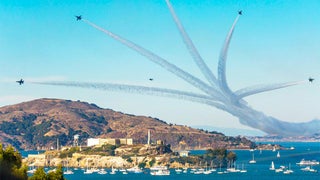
(39, 123)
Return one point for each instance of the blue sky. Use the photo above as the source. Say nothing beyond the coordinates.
(274, 41)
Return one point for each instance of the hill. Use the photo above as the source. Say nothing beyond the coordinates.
(39, 123)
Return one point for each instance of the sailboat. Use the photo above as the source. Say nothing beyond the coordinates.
(243, 170)
(288, 171)
(113, 171)
(278, 155)
(88, 171)
(252, 161)
(68, 171)
(272, 166)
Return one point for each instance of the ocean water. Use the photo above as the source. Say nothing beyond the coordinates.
(260, 170)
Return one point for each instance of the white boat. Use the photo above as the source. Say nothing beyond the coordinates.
(309, 169)
(155, 168)
(278, 155)
(288, 171)
(52, 170)
(135, 169)
(207, 172)
(178, 170)
(31, 171)
(274, 149)
(252, 161)
(308, 163)
(243, 170)
(160, 172)
(113, 171)
(88, 171)
(68, 172)
(102, 171)
(272, 166)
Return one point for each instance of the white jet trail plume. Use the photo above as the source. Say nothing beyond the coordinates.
(263, 88)
(162, 62)
(219, 96)
(141, 90)
(192, 49)
(223, 58)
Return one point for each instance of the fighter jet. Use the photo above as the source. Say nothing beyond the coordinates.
(78, 18)
(310, 79)
(240, 12)
(20, 82)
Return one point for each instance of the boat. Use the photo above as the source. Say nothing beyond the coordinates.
(278, 155)
(113, 171)
(155, 168)
(68, 171)
(135, 169)
(31, 171)
(272, 166)
(178, 171)
(309, 169)
(102, 171)
(52, 170)
(308, 162)
(88, 171)
(160, 172)
(288, 171)
(274, 149)
(185, 170)
(252, 161)
(243, 170)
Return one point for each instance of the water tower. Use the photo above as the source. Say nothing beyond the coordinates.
(76, 140)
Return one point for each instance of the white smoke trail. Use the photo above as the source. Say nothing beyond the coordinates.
(263, 88)
(141, 90)
(192, 49)
(223, 58)
(162, 62)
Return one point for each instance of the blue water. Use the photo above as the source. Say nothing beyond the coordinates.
(260, 170)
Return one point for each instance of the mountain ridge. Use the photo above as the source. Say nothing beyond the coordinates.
(39, 123)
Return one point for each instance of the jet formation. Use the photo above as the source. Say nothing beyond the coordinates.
(21, 81)
(311, 79)
(78, 17)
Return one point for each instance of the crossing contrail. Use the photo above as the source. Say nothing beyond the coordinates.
(263, 88)
(216, 94)
(144, 90)
(162, 62)
(223, 58)
(192, 49)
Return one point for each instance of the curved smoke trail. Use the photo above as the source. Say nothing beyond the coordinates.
(263, 88)
(162, 62)
(222, 97)
(141, 90)
(223, 58)
(192, 49)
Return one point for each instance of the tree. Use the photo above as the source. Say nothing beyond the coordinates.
(57, 175)
(11, 164)
(40, 174)
(231, 156)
